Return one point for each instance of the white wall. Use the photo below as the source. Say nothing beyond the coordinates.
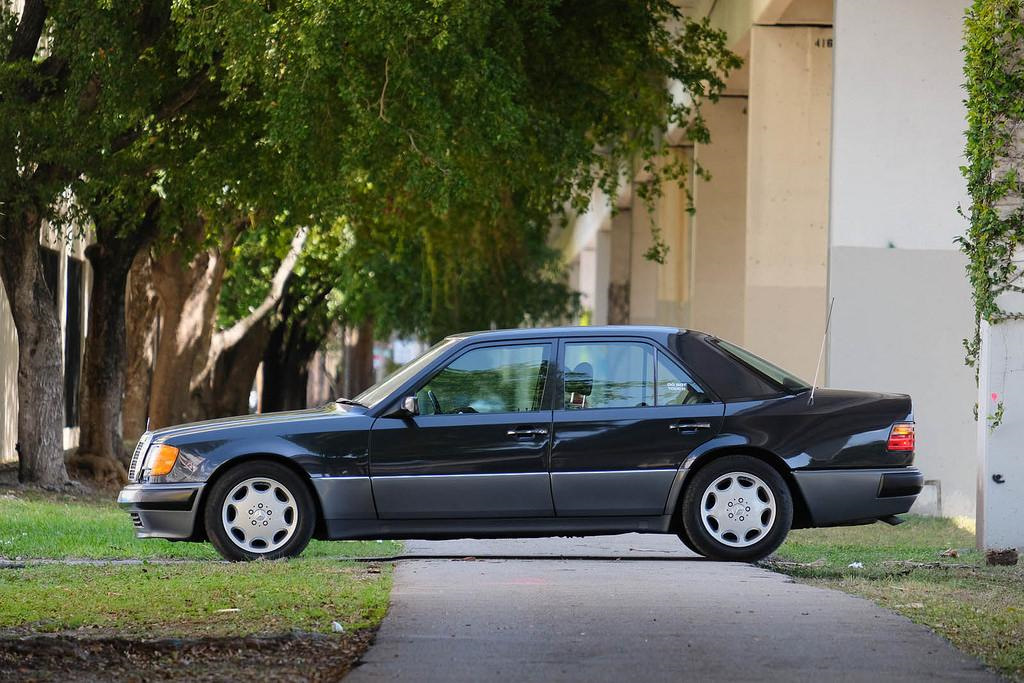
(902, 299)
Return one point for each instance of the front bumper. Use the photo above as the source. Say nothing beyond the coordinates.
(162, 510)
(843, 496)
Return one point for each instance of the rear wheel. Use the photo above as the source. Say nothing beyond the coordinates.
(736, 508)
(259, 510)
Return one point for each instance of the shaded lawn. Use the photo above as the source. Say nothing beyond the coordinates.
(194, 599)
(979, 609)
(61, 527)
(195, 619)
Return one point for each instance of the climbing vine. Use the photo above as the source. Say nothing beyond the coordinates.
(994, 71)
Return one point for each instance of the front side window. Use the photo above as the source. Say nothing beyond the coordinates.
(608, 375)
(492, 379)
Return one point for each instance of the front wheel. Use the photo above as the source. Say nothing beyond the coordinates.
(737, 508)
(259, 510)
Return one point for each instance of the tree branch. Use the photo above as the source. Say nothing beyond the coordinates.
(225, 339)
(230, 336)
(173, 106)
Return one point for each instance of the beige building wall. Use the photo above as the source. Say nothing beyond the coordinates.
(790, 100)
(720, 223)
(9, 340)
(8, 382)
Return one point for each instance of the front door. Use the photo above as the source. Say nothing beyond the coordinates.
(627, 417)
(478, 448)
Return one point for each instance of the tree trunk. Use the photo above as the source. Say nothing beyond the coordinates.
(111, 257)
(286, 365)
(40, 363)
(227, 392)
(187, 303)
(141, 324)
(358, 359)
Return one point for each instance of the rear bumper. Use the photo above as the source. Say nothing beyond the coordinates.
(162, 510)
(836, 496)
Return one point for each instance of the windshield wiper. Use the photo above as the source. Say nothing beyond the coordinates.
(350, 402)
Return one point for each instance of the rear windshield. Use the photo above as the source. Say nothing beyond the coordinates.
(787, 380)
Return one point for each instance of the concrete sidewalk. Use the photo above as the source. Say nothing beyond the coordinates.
(657, 613)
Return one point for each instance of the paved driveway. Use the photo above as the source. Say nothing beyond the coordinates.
(633, 608)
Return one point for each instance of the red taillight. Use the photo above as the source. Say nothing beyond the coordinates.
(901, 437)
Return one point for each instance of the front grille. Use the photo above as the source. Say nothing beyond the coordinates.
(136, 519)
(137, 456)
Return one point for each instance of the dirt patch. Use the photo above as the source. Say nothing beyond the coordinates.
(293, 657)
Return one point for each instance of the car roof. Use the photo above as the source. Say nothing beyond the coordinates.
(571, 331)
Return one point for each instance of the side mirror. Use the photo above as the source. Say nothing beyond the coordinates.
(410, 407)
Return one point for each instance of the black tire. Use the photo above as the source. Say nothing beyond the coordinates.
(303, 510)
(704, 541)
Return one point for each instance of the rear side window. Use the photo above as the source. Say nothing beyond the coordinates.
(730, 379)
(608, 375)
(675, 386)
(774, 372)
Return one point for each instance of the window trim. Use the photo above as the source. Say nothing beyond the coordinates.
(558, 399)
(443, 363)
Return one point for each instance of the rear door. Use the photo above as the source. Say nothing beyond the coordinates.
(626, 414)
(479, 447)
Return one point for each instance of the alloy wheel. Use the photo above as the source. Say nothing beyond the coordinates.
(738, 509)
(259, 515)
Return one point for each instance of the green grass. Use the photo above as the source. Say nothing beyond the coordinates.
(33, 526)
(979, 609)
(186, 599)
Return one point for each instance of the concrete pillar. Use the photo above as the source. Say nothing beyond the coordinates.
(720, 223)
(660, 292)
(643, 273)
(897, 148)
(787, 193)
(602, 273)
(1000, 466)
(587, 280)
(620, 237)
(676, 273)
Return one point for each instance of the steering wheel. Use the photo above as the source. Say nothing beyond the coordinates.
(434, 401)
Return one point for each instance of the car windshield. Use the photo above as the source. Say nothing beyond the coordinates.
(787, 380)
(380, 391)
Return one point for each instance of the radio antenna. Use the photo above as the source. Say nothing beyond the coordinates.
(821, 354)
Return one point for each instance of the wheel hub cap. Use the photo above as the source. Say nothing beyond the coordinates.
(259, 515)
(738, 509)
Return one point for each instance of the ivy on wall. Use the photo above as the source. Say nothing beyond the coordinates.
(994, 71)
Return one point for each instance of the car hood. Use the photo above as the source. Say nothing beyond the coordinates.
(290, 417)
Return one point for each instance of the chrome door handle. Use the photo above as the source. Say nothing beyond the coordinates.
(528, 432)
(689, 426)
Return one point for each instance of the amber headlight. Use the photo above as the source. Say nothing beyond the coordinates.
(163, 461)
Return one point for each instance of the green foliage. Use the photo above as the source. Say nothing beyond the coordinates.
(994, 70)
(427, 145)
(465, 126)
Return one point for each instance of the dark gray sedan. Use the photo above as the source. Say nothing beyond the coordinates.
(540, 432)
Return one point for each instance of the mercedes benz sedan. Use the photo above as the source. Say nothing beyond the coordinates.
(540, 432)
